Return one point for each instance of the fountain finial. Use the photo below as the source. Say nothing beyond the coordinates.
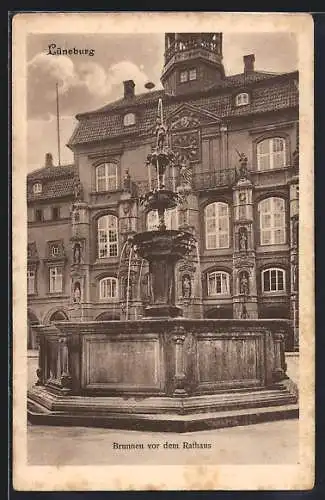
(161, 129)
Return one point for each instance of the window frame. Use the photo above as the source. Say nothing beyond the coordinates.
(109, 298)
(270, 155)
(55, 250)
(189, 74)
(221, 274)
(109, 244)
(217, 233)
(126, 118)
(276, 291)
(57, 211)
(185, 73)
(238, 99)
(37, 188)
(33, 271)
(106, 177)
(272, 216)
(59, 273)
(39, 211)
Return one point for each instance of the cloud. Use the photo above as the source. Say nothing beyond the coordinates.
(127, 70)
(82, 86)
(94, 78)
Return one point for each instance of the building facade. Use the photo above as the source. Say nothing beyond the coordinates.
(237, 142)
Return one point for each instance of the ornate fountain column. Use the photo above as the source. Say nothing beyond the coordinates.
(162, 248)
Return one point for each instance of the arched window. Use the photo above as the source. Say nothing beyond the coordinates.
(272, 221)
(129, 119)
(106, 177)
(271, 154)
(273, 280)
(37, 188)
(216, 217)
(171, 219)
(242, 99)
(107, 236)
(218, 283)
(108, 288)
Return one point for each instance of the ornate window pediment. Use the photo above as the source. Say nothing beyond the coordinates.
(184, 126)
(187, 116)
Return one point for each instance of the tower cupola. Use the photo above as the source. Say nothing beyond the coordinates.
(192, 62)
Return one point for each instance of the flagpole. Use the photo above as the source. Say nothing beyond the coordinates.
(58, 122)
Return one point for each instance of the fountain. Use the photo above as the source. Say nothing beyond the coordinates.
(162, 372)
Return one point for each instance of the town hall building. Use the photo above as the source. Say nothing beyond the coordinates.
(237, 143)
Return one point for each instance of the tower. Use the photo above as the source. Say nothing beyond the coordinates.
(192, 62)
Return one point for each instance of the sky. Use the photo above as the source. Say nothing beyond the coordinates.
(89, 82)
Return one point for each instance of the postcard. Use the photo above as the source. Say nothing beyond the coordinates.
(163, 251)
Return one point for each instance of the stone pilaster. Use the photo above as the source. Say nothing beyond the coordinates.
(179, 378)
(294, 259)
(244, 261)
(80, 266)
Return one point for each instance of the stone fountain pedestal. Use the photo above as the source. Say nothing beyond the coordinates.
(174, 375)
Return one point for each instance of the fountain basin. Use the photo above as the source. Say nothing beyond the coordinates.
(173, 244)
(162, 249)
(172, 374)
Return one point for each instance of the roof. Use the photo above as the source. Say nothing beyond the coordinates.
(57, 182)
(270, 91)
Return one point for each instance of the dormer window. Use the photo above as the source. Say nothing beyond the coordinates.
(242, 99)
(37, 188)
(129, 119)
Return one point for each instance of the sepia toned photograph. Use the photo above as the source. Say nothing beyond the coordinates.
(168, 226)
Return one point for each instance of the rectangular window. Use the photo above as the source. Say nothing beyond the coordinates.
(55, 213)
(272, 221)
(55, 250)
(106, 177)
(273, 280)
(183, 76)
(30, 281)
(218, 283)
(101, 178)
(271, 154)
(192, 74)
(38, 215)
(56, 280)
